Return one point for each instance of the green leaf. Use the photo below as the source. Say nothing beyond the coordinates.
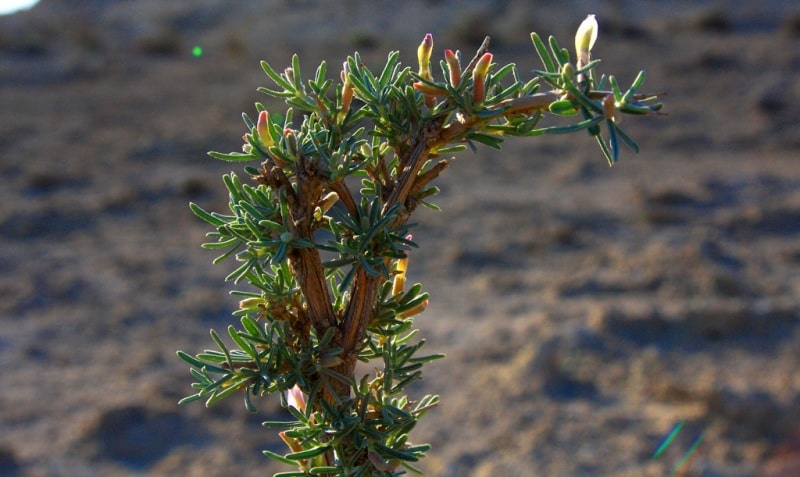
(279, 458)
(491, 141)
(612, 141)
(208, 217)
(544, 55)
(615, 88)
(279, 424)
(563, 107)
(298, 79)
(387, 451)
(308, 453)
(275, 93)
(324, 470)
(277, 78)
(558, 52)
(247, 122)
(626, 139)
(573, 127)
(192, 398)
(604, 147)
(232, 157)
(637, 83)
(201, 365)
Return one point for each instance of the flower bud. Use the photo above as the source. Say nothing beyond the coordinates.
(454, 67)
(289, 74)
(296, 399)
(567, 71)
(328, 201)
(584, 40)
(416, 310)
(262, 127)
(400, 278)
(479, 74)
(424, 56)
(429, 90)
(250, 302)
(347, 90)
(246, 147)
(291, 142)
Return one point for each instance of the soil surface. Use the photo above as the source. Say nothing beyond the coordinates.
(588, 313)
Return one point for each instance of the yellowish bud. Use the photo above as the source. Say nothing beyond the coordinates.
(262, 127)
(584, 39)
(347, 91)
(251, 302)
(567, 71)
(327, 202)
(479, 74)
(424, 56)
(416, 310)
(400, 278)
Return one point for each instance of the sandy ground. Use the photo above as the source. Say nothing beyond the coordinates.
(586, 312)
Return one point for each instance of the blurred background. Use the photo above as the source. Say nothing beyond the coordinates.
(638, 320)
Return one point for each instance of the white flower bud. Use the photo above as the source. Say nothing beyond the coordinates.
(585, 38)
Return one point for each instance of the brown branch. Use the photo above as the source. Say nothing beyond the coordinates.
(306, 262)
(345, 196)
(359, 312)
(427, 177)
(426, 140)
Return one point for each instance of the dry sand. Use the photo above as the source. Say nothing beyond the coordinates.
(586, 311)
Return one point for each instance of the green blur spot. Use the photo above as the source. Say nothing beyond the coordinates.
(668, 440)
(197, 51)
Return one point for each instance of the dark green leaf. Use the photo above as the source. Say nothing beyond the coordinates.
(491, 141)
(279, 458)
(309, 453)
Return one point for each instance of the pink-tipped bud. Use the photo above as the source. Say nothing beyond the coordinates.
(296, 398)
(429, 93)
(454, 66)
(262, 128)
(479, 74)
(429, 90)
(289, 74)
(424, 56)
